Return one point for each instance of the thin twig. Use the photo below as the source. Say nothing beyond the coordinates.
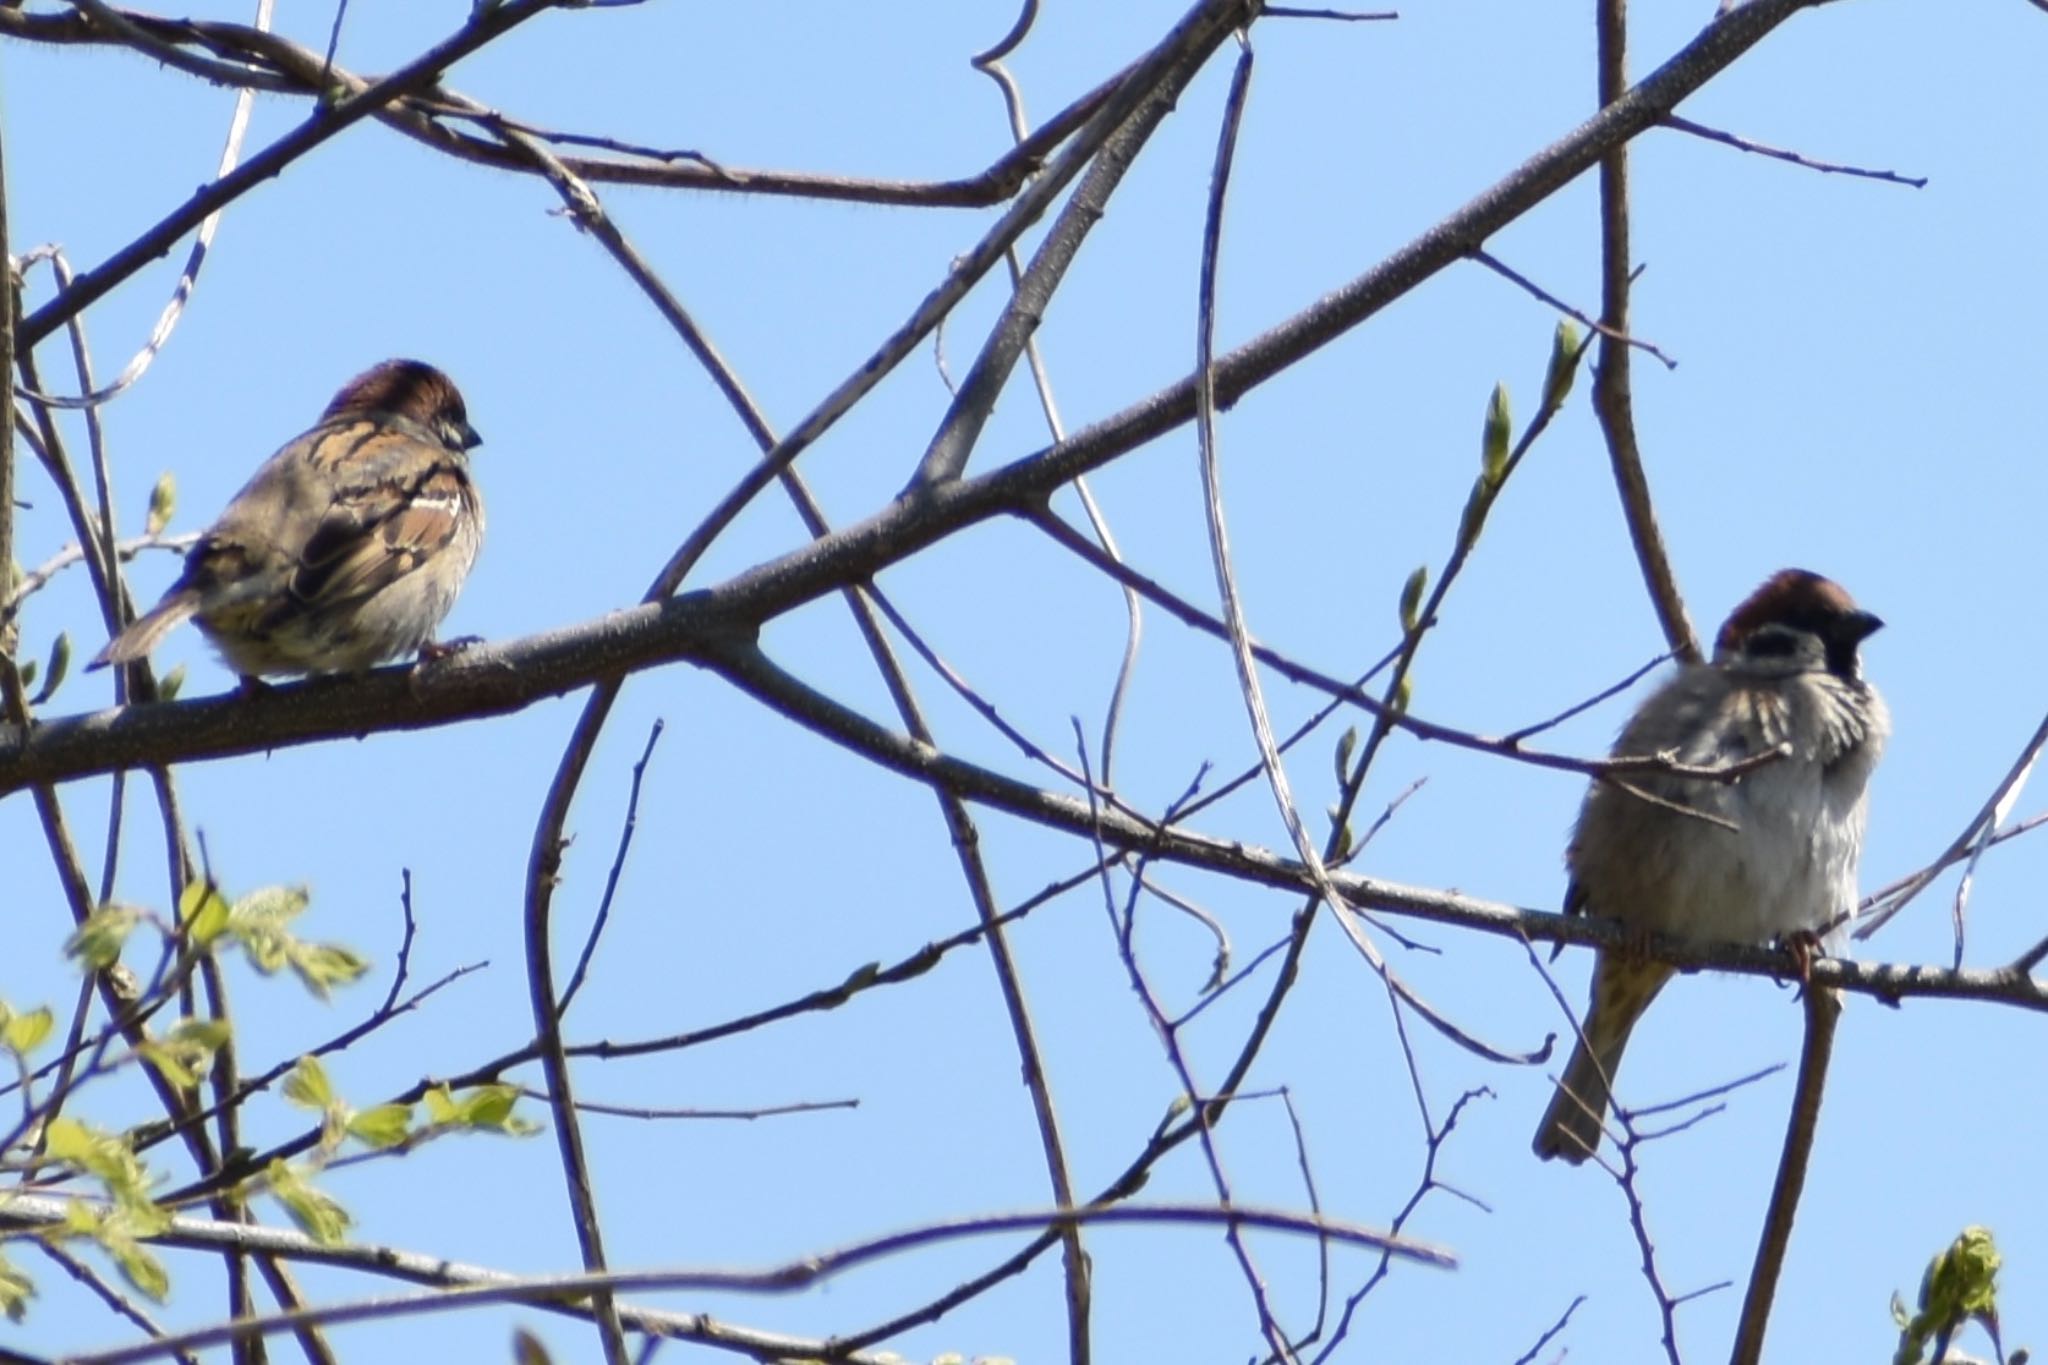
(1344, 16)
(1686, 125)
(1578, 708)
(36, 579)
(107, 1293)
(90, 397)
(1878, 910)
(611, 880)
(989, 63)
(1123, 932)
(1501, 268)
(1528, 1357)
(1434, 1139)
(483, 26)
(626, 1111)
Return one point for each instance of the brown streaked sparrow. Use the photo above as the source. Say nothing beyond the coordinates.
(1785, 674)
(349, 544)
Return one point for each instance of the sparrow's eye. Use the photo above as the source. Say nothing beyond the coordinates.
(1772, 642)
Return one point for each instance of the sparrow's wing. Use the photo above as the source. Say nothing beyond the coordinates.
(377, 532)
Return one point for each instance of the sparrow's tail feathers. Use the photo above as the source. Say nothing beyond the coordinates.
(144, 633)
(1622, 990)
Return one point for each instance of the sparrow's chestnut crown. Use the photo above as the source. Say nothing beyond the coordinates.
(413, 389)
(1792, 603)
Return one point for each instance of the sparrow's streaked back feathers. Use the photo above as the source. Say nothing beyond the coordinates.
(347, 547)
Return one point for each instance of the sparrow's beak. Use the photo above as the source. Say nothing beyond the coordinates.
(471, 440)
(1861, 625)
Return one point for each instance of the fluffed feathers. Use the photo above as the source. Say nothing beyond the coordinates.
(347, 547)
(1771, 855)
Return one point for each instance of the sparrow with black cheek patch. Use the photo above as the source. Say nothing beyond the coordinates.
(1782, 861)
(346, 548)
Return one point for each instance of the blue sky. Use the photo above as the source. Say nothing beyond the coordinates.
(1855, 394)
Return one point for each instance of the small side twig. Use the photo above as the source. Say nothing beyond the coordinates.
(1508, 272)
(611, 881)
(1878, 910)
(1514, 737)
(629, 1111)
(1528, 1357)
(1686, 125)
(108, 1294)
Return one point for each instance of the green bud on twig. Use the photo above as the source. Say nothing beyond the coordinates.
(60, 663)
(1493, 445)
(163, 501)
(1474, 515)
(1565, 350)
(1411, 597)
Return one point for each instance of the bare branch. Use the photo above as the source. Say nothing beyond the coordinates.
(553, 1291)
(1612, 399)
(483, 26)
(1823, 1012)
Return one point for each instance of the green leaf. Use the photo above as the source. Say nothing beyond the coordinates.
(170, 1064)
(322, 965)
(185, 1053)
(273, 905)
(163, 501)
(1493, 443)
(67, 1140)
(385, 1126)
(1565, 350)
(488, 1106)
(16, 1289)
(1347, 744)
(24, 1033)
(1961, 1285)
(96, 944)
(1411, 597)
(307, 1086)
(258, 923)
(441, 1107)
(204, 912)
(317, 1214)
(109, 1159)
(28, 673)
(138, 1267)
(211, 1034)
(170, 684)
(527, 1350)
